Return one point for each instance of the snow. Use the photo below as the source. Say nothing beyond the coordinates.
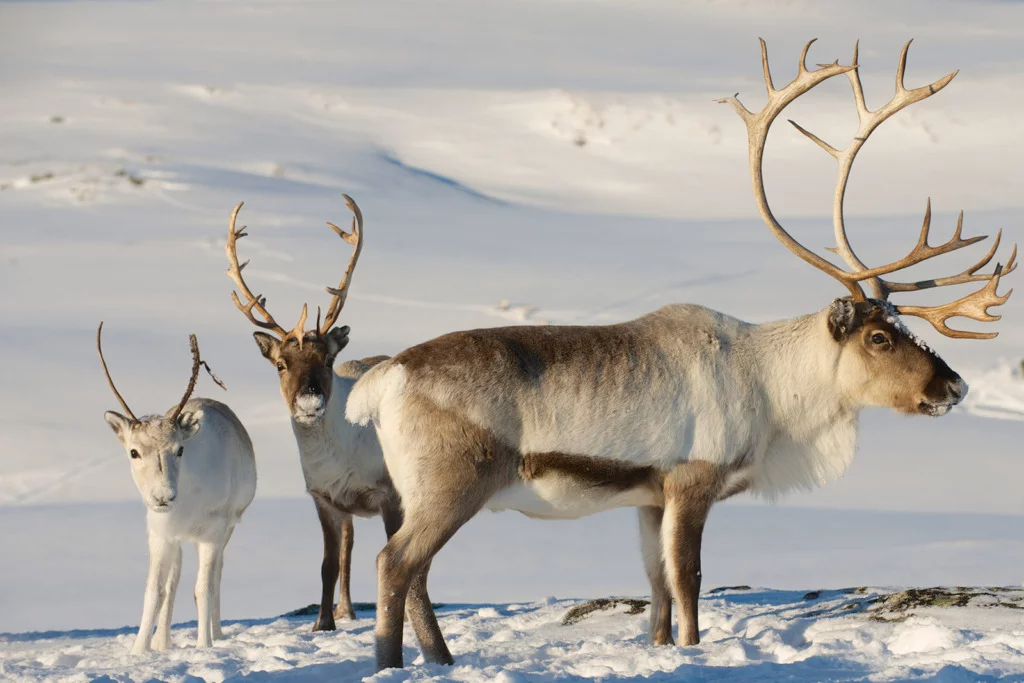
(522, 162)
(750, 635)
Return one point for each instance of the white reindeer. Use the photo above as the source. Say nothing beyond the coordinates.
(195, 469)
(342, 463)
(670, 412)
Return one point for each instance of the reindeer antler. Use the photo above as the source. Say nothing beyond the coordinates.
(757, 133)
(257, 304)
(972, 306)
(340, 293)
(194, 345)
(110, 381)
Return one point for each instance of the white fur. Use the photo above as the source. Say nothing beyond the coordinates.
(340, 459)
(363, 402)
(561, 498)
(198, 497)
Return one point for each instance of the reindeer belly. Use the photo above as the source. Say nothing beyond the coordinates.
(561, 486)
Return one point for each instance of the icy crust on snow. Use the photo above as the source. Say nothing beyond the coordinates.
(746, 635)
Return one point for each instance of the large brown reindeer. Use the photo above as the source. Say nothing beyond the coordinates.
(670, 412)
(342, 463)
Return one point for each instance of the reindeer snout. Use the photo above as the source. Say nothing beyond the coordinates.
(309, 407)
(957, 391)
(164, 502)
(942, 394)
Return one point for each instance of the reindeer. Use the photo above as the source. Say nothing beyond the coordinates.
(669, 413)
(342, 463)
(195, 469)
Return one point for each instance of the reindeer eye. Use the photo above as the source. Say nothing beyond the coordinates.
(879, 338)
(280, 366)
(181, 449)
(135, 454)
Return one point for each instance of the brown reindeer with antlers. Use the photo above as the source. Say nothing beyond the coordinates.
(669, 413)
(342, 463)
(195, 469)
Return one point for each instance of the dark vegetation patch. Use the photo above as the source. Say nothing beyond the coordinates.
(585, 609)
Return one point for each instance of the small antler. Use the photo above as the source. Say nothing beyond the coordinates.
(194, 345)
(340, 293)
(99, 348)
(972, 306)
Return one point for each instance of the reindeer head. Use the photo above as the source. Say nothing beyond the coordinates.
(881, 363)
(304, 359)
(155, 444)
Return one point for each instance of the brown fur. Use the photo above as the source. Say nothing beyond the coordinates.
(336, 565)
(618, 476)
(305, 368)
(527, 351)
(905, 363)
(690, 491)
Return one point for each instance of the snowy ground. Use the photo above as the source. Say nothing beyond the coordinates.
(565, 157)
(749, 635)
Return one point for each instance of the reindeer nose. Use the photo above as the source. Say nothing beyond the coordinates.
(957, 390)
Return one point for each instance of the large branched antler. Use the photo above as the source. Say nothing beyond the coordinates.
(972, 306)
(256, 304)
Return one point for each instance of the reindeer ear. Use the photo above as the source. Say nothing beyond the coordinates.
(842, 318)
(118, 422)
(267, 343)
(189, 423)
(337, 339)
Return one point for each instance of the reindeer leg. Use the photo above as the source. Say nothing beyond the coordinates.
(329, 565)
(406, 555)
(344, 609)
(208, 552)
(690, 490)
(218, 633)
(419, 609)
(449, 472)
(424, 622)
(160, 557)
(162, 639)
(660, 631)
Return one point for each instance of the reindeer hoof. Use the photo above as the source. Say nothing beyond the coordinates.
(348, 613)
(324, 625)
